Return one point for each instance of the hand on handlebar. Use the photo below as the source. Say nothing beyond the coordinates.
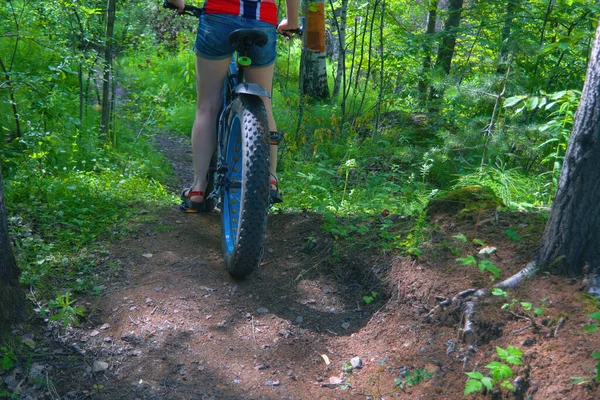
(180, 4)
(286, 26)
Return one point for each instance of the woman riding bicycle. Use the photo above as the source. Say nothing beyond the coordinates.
(213, 54)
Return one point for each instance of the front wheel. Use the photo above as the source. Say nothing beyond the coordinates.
(245, 193)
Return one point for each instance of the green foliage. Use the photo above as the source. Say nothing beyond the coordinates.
(461, 237)
(511, 185)
(8, 358)
(371, 297)
(594, 326)
(524, 307)
(512, 235)
(483, 265)
(500, 372)
(468, 260)
(63, 310)
(418, 234)
(477, 381)
(413, 378)
(556, 130)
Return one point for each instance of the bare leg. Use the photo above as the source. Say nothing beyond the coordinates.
(209, 85)
(264, 77)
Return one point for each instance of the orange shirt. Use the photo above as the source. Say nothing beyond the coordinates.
(261, 10)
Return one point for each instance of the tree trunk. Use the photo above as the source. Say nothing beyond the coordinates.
(13, 102)
(12, 306)
(106, 111)
(511, 8)
(313, 66)
(429, 33)
(571, 240)
(340, 76)
(446, 50)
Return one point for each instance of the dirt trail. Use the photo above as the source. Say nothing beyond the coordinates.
(172, 324)
(176, 325)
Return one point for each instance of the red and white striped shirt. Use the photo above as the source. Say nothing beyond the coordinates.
(261, 10)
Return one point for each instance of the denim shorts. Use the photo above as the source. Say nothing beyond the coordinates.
(212, 39)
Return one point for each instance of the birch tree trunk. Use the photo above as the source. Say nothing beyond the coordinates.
(313, 67)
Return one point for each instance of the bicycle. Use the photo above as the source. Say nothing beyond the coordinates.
(238, 178)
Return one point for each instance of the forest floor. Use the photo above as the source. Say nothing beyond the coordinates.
(172, 324)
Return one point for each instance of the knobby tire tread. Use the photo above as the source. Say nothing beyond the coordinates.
(254, 204)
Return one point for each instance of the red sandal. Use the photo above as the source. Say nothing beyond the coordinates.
(189, 206)
(275, 194)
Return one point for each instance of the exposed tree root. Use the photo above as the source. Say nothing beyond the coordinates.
(514, 280)
(592, 281)
(466, 301)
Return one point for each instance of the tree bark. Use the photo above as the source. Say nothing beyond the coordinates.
(429, 33)
(313, 82)
(511, 9)
(106, 109)
(571, 241)
(340, 76)
(446, 50)
(13, 102)
(12, 306)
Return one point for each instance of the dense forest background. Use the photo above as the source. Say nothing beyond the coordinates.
(417, 99)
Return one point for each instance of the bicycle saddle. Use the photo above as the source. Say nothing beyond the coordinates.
(241, 38)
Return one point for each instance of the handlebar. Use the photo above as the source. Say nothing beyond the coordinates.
(197, 12)
(188, 10)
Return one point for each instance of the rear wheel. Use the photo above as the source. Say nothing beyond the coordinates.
(245, 194)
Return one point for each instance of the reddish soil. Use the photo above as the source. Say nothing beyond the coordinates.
(173, 324)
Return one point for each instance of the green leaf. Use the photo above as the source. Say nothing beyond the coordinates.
(505, 371)
(475, 375)
(507, 385)
(499, 292)
(549, 47)
(596, 355)
(472, 386)
(512, 101)
(538, 311)
(514, 360)
(512, 235)
(468, 260)
(494, 365)
(595, 316)
(501, 352)
(487, 265)
(514, 351)
(487, 382)
(590, 328)
(460, 237)
(526, 306)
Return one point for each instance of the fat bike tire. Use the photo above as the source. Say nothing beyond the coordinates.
(245, 196)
